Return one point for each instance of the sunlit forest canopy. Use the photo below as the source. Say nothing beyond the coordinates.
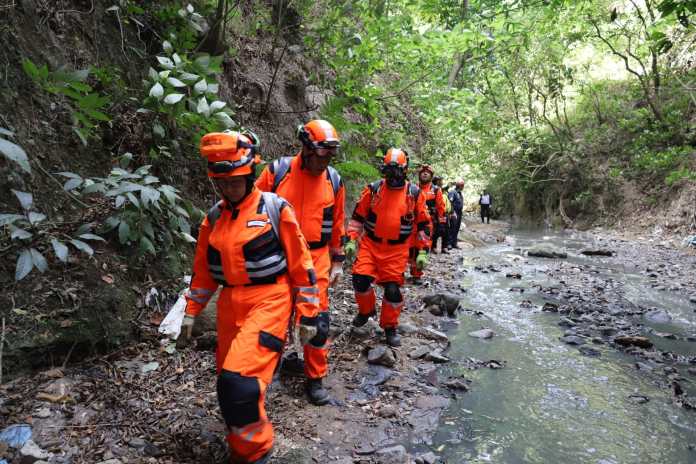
(519, 93)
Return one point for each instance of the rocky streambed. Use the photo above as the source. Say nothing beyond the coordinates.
(506, 358)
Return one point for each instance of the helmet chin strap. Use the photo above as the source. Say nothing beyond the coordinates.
(249, 178)
(395, 182)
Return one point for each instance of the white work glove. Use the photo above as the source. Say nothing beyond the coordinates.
(186, 332)
(335, 274)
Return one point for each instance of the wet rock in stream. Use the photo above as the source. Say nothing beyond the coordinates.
(546, 251)
(483, 334)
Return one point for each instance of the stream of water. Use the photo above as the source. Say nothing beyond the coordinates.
(551, 404)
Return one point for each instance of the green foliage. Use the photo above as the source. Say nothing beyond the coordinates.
(12, 151)
(679, 175)
(183, 93)
(661, 161)
(183, 26)
(357, 170)
(30, 231)
(86, 106)
(149, 214)
(682, 9)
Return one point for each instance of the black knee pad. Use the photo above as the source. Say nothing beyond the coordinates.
(361, 283)
(239, 398)
(323, 324)
(392, 292)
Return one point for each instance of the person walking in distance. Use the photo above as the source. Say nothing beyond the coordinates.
(485, 201)
(384, 217)
(457, 200)
(436, 209)
(250, 244)
(316, 193)
(441, 233)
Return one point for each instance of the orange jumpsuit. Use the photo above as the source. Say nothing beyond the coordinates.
(436, 209)
(263, 276)
(384, 219)
(321, 215)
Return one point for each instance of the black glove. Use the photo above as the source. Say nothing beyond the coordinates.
(323, 325)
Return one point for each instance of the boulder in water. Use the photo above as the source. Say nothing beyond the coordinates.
(483, 334)
(633, 340)
(573, 340)
(659, 316)
(444, 301)
(546, 251)
(597, 252)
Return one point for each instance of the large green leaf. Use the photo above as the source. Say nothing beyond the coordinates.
(15, 153)
(60, 250)
(24, 264)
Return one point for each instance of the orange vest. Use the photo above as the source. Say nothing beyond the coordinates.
(240, 246)
(389, 215)
(318, 201)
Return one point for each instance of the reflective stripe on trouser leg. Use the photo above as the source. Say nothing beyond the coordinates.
(366, 301)
(390, 314)
(245, 442)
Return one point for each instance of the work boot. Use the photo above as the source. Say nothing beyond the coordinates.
(392, 336)
(361, 319)
(292, 365)
(316, 392)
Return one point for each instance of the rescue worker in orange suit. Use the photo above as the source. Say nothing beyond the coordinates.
(436, 209)
(316, 193)
(385, 216)
(251, 244)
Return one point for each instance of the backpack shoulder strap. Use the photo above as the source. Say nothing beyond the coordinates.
(335, 178)
(214, 214)
(413, 190)
(273, 204)
(280, 168)
(374, 186)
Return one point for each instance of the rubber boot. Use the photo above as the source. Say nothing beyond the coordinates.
(316, 392)
(392, 337)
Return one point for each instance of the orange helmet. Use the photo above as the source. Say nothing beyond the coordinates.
(229, 153)
(396, 157)
(426, 168)
(318, 133)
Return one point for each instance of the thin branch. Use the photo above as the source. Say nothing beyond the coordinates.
(275, 73)
(90, 11)
(70, 195)
(308, 110)
(67, 357)
(405, 88)
(613, 49)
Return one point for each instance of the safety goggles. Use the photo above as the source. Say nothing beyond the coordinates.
(223, 167)
(394, 170)
(322, 150)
